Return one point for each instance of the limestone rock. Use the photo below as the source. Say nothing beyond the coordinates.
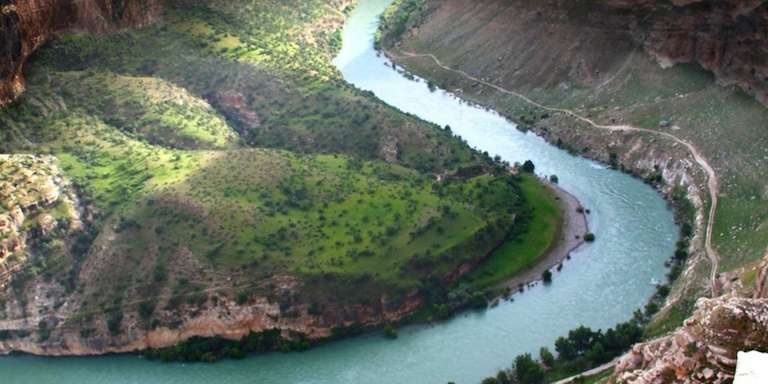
(704, 349)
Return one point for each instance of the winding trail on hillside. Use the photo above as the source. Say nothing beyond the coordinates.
(593, 371)
(712, 179)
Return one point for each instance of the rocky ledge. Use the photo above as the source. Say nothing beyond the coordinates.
(35, 200)
(25, 25)
(705, 348)
(727, 37)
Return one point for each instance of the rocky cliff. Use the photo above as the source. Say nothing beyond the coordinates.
(215, 316)
(705, 348)
(727, 37)
(27, 24)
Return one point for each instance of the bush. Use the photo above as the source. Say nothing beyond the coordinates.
(547, 277)
(527, 370)
(528, 167)
(146, 309)
(43, 330)
(242, 298)
(114, 320)
(390, 332)
(589, 237)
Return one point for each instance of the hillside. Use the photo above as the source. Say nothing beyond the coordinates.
(655, 88)
(211, 174)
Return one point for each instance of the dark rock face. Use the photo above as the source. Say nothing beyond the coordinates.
(10, 51)
(727, 37)
(27, 24)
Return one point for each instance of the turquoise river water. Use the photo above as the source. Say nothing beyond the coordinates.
(601, 285)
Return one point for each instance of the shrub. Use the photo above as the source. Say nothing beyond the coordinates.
(589, 237)
(390, 332)
(114, 320)
(528, 167)
(547, 277)
(242, 298)
(527, 370)
(146, 309)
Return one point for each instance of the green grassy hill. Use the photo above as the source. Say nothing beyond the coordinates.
(219, 154)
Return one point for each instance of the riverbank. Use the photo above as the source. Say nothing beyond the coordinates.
(570, 237)
(630, 150)
(623, 110)
(482, 342)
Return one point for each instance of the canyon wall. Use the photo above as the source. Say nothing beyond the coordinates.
(727, 37)
(27, 24)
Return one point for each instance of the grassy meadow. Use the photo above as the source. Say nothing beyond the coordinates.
(220, 153)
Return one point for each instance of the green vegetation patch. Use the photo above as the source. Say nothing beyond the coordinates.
(274, 212)
(149, 108)
(522, 252)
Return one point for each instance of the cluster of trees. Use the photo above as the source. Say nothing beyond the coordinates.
(200, 349)
(581, 349)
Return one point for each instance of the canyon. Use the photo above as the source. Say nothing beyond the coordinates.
(644, 64)
(588, 57)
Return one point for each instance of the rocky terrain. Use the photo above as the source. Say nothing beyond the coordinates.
(25, 25)
(35, 201)
(729, 38)
(704, 349)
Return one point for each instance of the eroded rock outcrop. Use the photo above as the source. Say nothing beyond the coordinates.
(705, 348)
(35, 199)
(727, 37)
(216, 316)
(27, 24)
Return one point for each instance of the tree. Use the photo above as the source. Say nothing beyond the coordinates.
(503, 378)
(546, 357)
(582, 338)
(390, 332)
(565, 348)
(596, 354)
(554, 179)
(528, 370)
(528, 167)
(547, 277)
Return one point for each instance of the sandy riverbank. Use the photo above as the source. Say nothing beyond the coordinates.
(570, 236)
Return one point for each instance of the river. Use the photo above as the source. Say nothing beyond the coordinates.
(601, 285)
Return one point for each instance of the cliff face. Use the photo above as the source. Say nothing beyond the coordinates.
(729, 38)
(27, 24)
(702, 351)
(705, 348)
(224, 318)
(548, 43)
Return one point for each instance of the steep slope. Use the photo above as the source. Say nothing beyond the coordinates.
(232, 184)
(610, 80)
(588, 61)
(25, 25)
(704, 349)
